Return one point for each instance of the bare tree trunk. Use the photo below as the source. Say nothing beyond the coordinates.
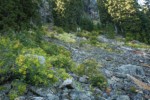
(116, 28)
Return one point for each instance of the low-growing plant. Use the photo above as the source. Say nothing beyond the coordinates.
(129, 37)
(9, 50)
(62, 74)
(91, 36)
(59, 30)
(19, 86)
(137, 45)
(66, 37)
(109, 31)
(133, 89)
(2, 88)
(53, 49)
(12, 94)
(93, 40)
(83, 33)
(86, 23)
(18, 89)
(90, 68)
(29, 37)
(99, 81)
(62, 61)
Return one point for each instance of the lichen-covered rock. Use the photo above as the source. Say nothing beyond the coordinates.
(67, 83)
(78, 95)
(83, 79)
(20, 98)
(52, 97)
(123, 97)
(132, 70)
(43, 92)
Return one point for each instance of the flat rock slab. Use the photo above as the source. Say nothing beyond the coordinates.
(131, 70)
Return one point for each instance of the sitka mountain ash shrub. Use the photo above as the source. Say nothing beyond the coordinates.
(53, 49)
(34, 67)
(18, 88)
(9, 50)
(37, 68)
(61, 61)
(88, 67)
(91, 69)
(99, 81)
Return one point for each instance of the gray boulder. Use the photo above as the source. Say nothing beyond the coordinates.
(103, 39)
(132, 70)
(78, 95)
(83, 79)
(68, 83)
(36, 98)
(43, 92)
(123, 97)
(20, 98)
(52, 97)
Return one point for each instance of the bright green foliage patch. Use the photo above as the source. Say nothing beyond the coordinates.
(18, 88)
(61, 61)
(35, 62)
(9, 51)
(66, 37)
(2, 88)
(60, 34)
(91, 36)
(133, 89)
(91, 69)
(53, 49)
(99, 81)
(62, 74)
(13, 94)
(34, 66)
(138, 45)
(88, 67)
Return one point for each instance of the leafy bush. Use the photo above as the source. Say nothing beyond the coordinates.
(53, 49)
(90, 68)
(109, 31)
(129, 37)
(66, 37)
(93, 40)
(67, 13)
(33, 66)
(142, 37)
(30, 38)
(12, 94)
(59, 30)
(9, 50)
(62, 61)
(61, 73)
(86, 24)
(18, 88)
(92, 36)
(99, 81)
(132, 89)
(83, 33)
(18, 14)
